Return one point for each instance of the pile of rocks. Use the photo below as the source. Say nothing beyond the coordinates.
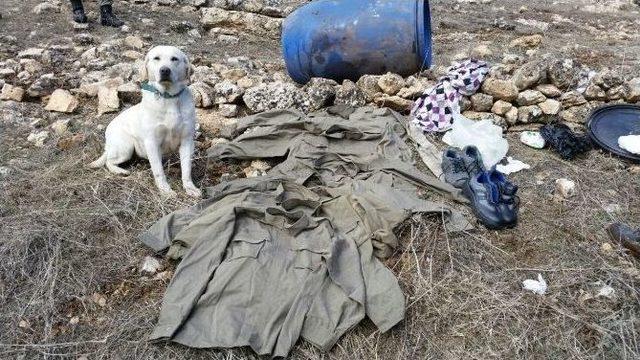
(536, 91)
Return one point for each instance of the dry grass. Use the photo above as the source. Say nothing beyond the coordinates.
(69, 240)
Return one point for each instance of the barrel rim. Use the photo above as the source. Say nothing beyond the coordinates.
(423, 33)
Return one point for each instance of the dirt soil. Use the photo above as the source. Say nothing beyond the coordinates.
(70, 285)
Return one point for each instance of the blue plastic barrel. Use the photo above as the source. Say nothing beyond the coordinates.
(345, 39)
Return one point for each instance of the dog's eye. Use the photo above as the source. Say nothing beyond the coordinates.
(157, 58)
(174, 59)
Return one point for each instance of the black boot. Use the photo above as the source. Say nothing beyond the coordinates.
(626, 236)
(107, 18)
(78, 12)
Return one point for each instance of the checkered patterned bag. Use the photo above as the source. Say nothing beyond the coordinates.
(435, 109)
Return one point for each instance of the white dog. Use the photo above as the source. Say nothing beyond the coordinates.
(162, 122)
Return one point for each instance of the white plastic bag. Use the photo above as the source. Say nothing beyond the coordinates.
(536, 286)
(483, 134)
(631, 143)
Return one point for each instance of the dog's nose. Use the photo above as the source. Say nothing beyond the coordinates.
(165, 73)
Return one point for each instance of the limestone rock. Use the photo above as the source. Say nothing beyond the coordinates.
(229, 110)
(529, 41)
(31, 66)
(320, 93)
(481, 51)
(576, 114)
(608, 79)
(38, 138)
(254, 23)
(226, 92)
(108, 100)
(233, 74)
(481, 102)
(46, 8)
(277, 95)
(203, 94)
(594, 92)
(564, 73)
(70, 142)
(391, 83)
(7, 73)
(369, 86)
(32, 53)
(549, 90)
(393, 102)
(45, 85)
(349, 94)
(416, 87)
(60, 126)
(248, 81)
(565, 188)
(572, 98)
(10, 92)
(132, 55)
(632, 90)
(616, 93)
(500, 89)
(512, 116)
(530, 97)
(150, 265)
(529, 75)
(130, 93)
(465, 103)
(527, 114)
(550, 107)
(501, 107)
(495, 119)
(134, 42)
(532, 139)
(91, 89)
(62, 101)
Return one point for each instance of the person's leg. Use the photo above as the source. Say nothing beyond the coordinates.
(107, 18)
(78, 12)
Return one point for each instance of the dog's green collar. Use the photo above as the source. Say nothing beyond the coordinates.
(145, 86)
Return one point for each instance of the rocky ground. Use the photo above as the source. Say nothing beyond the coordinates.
(76, 282)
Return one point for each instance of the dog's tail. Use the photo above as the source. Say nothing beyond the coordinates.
(102, 160)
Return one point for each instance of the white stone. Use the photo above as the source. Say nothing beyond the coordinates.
(134, 42)
(228, 110)
(565, 188)
(38, 138)
(530, 97)
(532, 139)
(62, 101)
(10, 92)
(60, 126)
(108, 100)
(150, 265)
(550, 107)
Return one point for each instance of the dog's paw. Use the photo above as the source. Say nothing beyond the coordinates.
(193, 191)
(167, 193)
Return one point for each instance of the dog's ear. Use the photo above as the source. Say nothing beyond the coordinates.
(144, 73)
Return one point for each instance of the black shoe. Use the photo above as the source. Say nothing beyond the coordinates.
(473, 160)
(509, 202)
(79, 16)
(454, 168)
(485, 197)
(626, 236)
(107, 18)
(564, 141)
(78, 12)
